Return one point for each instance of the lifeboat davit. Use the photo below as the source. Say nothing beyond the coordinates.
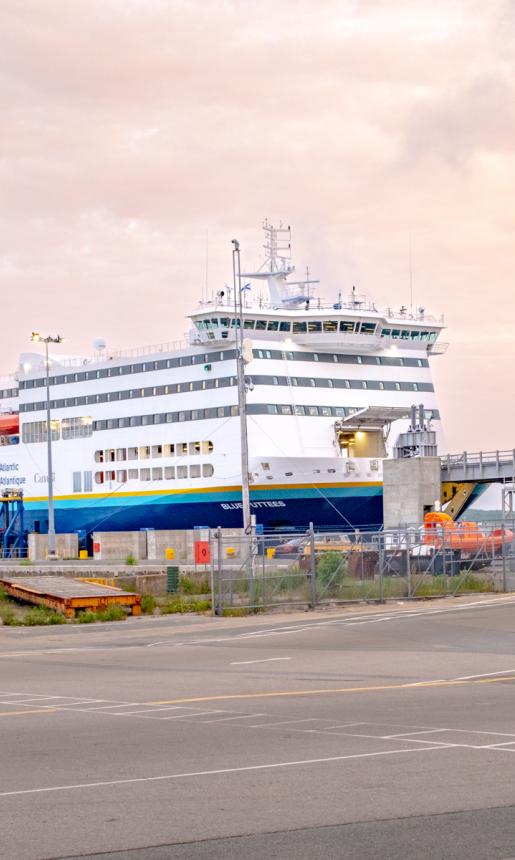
(9, 424)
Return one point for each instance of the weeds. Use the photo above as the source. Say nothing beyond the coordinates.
(131, 559)
(148, 604)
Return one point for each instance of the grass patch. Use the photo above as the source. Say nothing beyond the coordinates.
(131, 559)
(177, 604)
(148, 604)
(190, 585)
(41, 615)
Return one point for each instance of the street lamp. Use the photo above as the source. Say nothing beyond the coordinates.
(51, 522)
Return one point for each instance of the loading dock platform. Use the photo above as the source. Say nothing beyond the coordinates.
(68, 595)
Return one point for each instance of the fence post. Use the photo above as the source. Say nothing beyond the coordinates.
(408, 568)
(380, 541)
(504, 580)
(312, 566)
(219, 608)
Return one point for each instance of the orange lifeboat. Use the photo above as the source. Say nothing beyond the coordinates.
(441, 531)
(9, 424)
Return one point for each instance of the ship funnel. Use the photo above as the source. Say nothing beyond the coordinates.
(413, 418)
(422, 417)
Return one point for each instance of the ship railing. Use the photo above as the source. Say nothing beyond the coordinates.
(135, 352)
(321, 304)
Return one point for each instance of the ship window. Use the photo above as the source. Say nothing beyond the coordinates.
(169, 473)
(329, 383)
(330, 325)
(88, 482)
(194, 447)
(415, 386)
(285, 409)
(195, 471)
(405, 334)
(273, 325)
(147, 419)
(206, 447)
(397, 386)
(312, 410)
(99, 477)
(419, 362)
(182, 472)
(359, 360)
(121, 454)
(386, 332)
(99, 456)
(220, 412)
(314, 325)
(335, 358)
(144, 452)
(144, 474)
(109, 455)
(325, 410)
(339, 411)
(289, 355)
(367, 328)
(157, 450)
(275, 380)
(312, 383)
(381, 386)
(182, 449)
(133, 474)
(346, 325)
(36, 431)
(132, 453)
(294, 380)
(284, 326)
(315, 356)
(224, 321)
(157, 473)
(248, 324)
(123, 422)
(396, 333)
(121, 476)
(298, 327)
(77, 428)
(169, 417)
(168, 449)
(299, 410)
(260, 325)
(234, 410)
(347, 383)
(197, 414)
(271, 408)
(77, 482)
(364, 383)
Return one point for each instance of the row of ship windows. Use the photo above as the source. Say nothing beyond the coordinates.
(225, 382)
(211, 357)
(83, 481)
(36, 431)
(157, 473)
(145, 452)
(8, 392)
(212, 325)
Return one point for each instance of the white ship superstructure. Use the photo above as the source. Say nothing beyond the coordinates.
(150, 438)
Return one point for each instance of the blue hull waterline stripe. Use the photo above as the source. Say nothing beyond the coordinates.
(344, 507)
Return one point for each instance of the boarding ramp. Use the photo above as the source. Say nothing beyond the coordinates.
(481, 467)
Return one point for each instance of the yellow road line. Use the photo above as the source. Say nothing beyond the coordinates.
(331, 691)
(20, 713)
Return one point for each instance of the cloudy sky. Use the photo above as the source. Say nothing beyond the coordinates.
(136, 134)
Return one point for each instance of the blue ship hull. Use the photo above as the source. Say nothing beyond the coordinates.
(345, 508)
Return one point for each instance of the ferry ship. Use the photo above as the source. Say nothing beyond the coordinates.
(150, 438)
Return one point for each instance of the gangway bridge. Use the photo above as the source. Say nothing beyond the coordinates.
(461, 473)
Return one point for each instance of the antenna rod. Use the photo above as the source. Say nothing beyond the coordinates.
(410, 278)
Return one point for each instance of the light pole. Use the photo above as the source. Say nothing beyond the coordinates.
(51, 523)
(240, 367)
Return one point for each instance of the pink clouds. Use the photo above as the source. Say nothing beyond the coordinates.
(129, 128)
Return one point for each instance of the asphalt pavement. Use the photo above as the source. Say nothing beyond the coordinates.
(366, 732)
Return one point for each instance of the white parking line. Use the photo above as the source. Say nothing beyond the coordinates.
(267, 660)
(218, 772)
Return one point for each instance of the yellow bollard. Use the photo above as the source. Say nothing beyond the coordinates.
(83, 553)
(170, 552)
(230, 551)
(270, 553)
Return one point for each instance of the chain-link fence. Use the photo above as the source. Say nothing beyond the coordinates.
(263, 571)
